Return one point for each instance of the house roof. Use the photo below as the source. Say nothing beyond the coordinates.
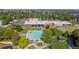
(46, 22)
(19, 22)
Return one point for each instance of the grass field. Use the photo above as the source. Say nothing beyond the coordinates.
(68, 28)
(55, 44)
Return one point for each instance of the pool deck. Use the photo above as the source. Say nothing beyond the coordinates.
(29, 32)
(35, 41)
(36, 46)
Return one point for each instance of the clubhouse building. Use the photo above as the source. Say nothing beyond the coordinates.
(35, 22)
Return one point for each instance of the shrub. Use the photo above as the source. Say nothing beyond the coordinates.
(8, 34)
(22, 42)
(56, 32)
(48, 33)
(76, 32)
(39, 44)
(31, 47)
(16, 27)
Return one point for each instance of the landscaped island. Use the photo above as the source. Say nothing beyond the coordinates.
(39, 29)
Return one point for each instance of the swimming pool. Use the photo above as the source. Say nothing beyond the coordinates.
(34, 34)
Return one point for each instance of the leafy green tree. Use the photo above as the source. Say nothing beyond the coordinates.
(17, 28)
(76, 36)
(76, 32)
(6, 19)
(8, 34)
(1, 33)
(9, 16)
(56, 32)
(22, 42)
(47, 34)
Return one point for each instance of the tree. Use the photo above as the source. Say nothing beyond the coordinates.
(22, 42)
(47, 34)
(9, 16)
(8, 34)
(6, 19)
(76, 32)
(50, 37)
(56, 32)
(1, 33)
(76, 37)
(18, 28)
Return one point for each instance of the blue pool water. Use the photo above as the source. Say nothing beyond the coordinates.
(34, 35)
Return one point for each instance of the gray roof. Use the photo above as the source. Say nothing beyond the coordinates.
(20, 22)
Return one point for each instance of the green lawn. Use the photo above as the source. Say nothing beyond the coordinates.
(56, 44)
(26, 28)
(68, 28)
